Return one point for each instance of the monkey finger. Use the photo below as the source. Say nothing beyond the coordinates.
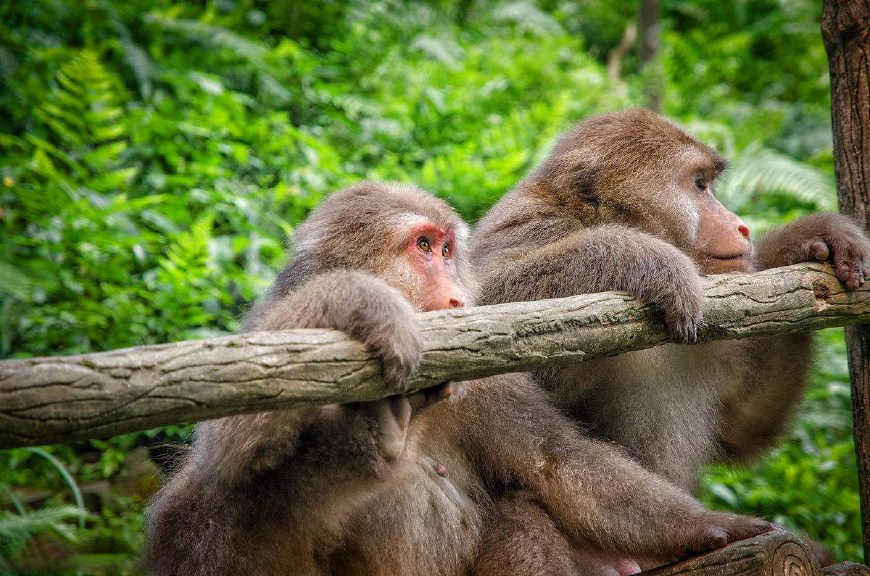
(396, 374)
(428, 396)
(401, 408)
(391, 421)
(685, 331)
(819, 250)
(847, 270)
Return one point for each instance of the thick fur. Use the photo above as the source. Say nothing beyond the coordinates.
(614, 207)
(366, 489)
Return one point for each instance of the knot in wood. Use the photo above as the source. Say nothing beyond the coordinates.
(821, 291)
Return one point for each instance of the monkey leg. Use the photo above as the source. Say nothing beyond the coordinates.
(523, 540)
(591, 489)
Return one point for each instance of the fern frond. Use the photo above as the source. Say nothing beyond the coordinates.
(17, 529)
(143, 68)
(762, 170)
(211, 35)
(13, 281)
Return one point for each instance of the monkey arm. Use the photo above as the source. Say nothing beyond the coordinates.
(591, 489)
(818, 237)
(237, 448)
(758, 408)
(607, 257)
(274, 523)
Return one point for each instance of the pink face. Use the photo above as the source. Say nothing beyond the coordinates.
(722, 244)
(430, 250)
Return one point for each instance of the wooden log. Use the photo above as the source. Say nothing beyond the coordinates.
(846, 569)
(775, 554)
(45, 400)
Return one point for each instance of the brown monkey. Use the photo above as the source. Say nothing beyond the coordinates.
(625, 202)
(366, 489)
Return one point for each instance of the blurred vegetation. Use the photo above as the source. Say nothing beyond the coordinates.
(155, 155)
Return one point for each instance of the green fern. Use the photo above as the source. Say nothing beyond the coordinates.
(222, 38)
(762, 170)
(84, 115)
(211, 35)
(17, 529)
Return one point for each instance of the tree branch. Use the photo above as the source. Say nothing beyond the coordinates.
(44, 400)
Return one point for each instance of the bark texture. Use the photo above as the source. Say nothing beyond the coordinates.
(44, 400)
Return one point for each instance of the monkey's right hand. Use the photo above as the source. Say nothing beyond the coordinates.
(362, 306)
(678, 290)
(653, 271)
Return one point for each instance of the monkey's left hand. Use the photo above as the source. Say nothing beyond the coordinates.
(819, 237)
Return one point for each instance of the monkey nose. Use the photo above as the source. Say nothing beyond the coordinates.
(744, 229)
(456, 303)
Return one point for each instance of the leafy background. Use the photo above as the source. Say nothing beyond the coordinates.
(155, 155)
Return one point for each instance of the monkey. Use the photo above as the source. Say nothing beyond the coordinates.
(625, 201)
(406, 485)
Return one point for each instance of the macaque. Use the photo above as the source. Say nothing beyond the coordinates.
(404, 485)
(625, 201)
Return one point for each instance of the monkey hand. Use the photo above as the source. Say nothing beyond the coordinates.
(824, 238)
(718, 529)
(362, 306)
(657, 272)
(381, 318)
(683, 303)
(392, 416)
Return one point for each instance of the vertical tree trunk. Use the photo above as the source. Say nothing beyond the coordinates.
(650, 33)
(846, 32)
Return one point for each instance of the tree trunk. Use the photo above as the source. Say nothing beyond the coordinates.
(846, 32)
(650, 32)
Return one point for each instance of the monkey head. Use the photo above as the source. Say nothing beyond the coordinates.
(412, 240)
(638, 169)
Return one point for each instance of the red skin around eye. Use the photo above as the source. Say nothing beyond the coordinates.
(439, 286)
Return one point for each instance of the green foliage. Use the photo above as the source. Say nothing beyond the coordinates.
(17, 529)
(155, 155)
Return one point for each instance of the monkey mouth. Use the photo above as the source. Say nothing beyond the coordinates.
(720, 263)
(728, 257)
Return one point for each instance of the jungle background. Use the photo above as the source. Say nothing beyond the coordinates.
(155, 156)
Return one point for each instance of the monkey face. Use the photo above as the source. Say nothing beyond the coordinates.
(429, 256)
(721, 241)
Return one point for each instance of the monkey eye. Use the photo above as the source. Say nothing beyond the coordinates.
(423, 244)
(700, 184)
(445, 251)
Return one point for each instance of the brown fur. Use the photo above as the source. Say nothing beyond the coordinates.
(365, 489)
(617, 206)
